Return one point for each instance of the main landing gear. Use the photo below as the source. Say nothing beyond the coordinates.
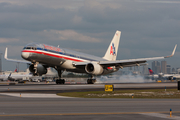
(91, 80)
(60, 81)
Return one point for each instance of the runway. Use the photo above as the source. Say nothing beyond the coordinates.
(36, 104)
(53, 88)
(19, 108)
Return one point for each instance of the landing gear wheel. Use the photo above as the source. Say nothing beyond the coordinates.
(91, 81)
(60, 81)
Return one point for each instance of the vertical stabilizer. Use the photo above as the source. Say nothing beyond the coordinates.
(150, 71)
(111, 52)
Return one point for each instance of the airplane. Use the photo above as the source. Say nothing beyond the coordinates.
(162, 76)
(42, 56)
(21, 76)
(5, 77)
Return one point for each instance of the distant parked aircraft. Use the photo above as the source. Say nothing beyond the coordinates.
(162, 76)
(20, 76)
(15, 76)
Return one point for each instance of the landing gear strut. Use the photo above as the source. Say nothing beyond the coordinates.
(91, 80)
(60, 81)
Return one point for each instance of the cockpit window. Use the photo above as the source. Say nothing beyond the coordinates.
(31, 46)
(28, 47)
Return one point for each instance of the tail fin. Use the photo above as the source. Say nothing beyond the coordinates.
(9, 75)
(16, 70)
(150, 71)
(111, 52)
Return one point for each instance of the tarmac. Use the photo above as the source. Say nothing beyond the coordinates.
(53, 88)
(30, 102)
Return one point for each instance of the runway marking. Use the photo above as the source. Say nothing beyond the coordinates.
(162, 116)
(114, 113)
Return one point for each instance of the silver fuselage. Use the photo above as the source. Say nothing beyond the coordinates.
(59, 57)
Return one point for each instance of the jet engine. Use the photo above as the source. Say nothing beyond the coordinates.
(38, 70)
(94, 69)
(170, 78)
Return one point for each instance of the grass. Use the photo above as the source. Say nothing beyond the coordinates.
(151, 93)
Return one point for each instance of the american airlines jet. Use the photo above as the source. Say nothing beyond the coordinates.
(42, 56)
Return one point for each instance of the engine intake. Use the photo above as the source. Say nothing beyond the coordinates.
(94, 69)
(39, 70)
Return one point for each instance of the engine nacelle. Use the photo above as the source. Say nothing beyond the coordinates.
(171, 78)
(94, 69)
(39, 70)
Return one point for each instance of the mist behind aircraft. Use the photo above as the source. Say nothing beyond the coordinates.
(124, 79)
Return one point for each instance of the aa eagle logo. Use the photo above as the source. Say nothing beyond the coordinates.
(112, 50)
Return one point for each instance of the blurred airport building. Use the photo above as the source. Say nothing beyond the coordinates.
(163, 67)
(156, 67)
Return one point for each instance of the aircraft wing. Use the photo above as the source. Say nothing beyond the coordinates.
(128, 62)
(14, 60)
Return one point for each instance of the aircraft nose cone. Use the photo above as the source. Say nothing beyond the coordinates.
(25, 55)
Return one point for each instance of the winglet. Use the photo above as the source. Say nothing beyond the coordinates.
(14, 60)
(5, 55)
(172, 52)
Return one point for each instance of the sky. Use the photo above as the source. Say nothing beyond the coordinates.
(150, 28)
